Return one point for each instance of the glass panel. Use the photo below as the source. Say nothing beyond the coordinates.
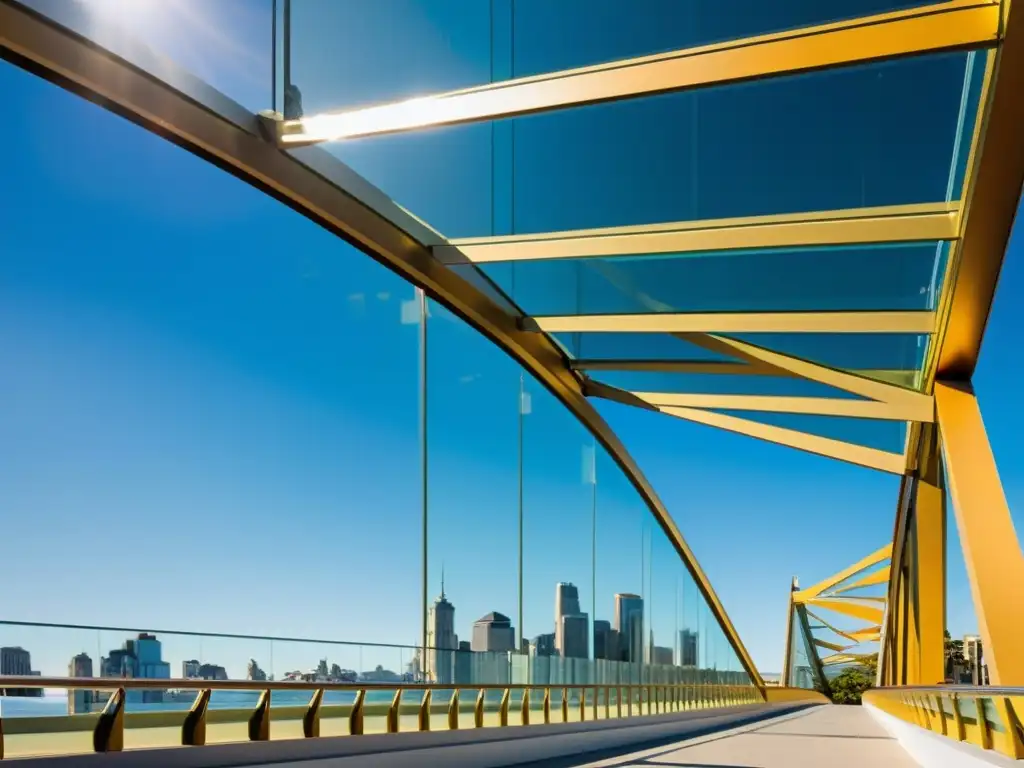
(473, 517)
(225, 43)
(880, 277)
(872, 433)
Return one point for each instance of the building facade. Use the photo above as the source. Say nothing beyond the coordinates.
(15, 660)
(567, 602)
(493, 632)
(629, 623)
(441, 640)
(575, 641)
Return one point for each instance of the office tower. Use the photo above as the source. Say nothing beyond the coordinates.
(212, 672)
(253, 671)
(190, 668)
(687, 648)
(80, 701)
(140, 656)
(629, 623)
(661, 654)
(574, 631)
(606, 641)
(441, 639)
(464, 663)
(493, 632)
(17, 661)
(543, 645)
(567, 602)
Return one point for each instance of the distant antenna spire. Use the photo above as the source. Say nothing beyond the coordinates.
(442, 581)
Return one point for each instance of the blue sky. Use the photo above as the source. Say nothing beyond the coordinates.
(212, 405)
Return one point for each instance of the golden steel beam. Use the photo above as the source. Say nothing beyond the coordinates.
(872, 579)
(823, 446)
(821, 406)
(941, 26)
(921, 322)
(877, 557)
(795, 366)
(992, 554)
(996, 176)
(848, 607)
(928, 569)
(898, 223)
(208, 124)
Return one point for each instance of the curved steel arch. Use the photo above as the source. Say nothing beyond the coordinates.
(194, 116)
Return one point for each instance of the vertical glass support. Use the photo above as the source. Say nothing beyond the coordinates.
(992, 554)
(421, 300)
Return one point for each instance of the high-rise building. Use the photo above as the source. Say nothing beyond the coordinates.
(190, 668)
(687, 648)
(441, 640)
(140, 656)
(15, 660)
(543, 645)
(629, 623)
(493, 632)
(80, 701)
(253, 671)
(575, 641)
(606, 641)
(660, 654)
(464, 663)
(567, 602)
(212, 672)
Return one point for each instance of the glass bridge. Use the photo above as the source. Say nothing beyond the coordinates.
(315, 317)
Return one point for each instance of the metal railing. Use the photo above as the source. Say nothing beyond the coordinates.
(555, 704)
(986, 717)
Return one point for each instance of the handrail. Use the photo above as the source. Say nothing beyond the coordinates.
(109, 726)
(989, 718)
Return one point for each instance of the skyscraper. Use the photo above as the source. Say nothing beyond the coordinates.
(543, 645)
(687, 648)
(464, 663)
(441, 640)
(493, 632)
(140, 656)
(574, 630)
(629, 623)
(567, 602)
(606, 641)
(661, 654)
(80, 701)
(15, 660)
(253, 671)
(190, 668)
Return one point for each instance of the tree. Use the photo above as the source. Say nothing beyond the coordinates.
(848, 686)
(954, 651)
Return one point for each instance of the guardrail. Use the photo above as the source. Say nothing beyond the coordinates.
(603, 702)
(987, 717)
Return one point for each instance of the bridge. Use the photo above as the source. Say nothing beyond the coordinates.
(244, 239)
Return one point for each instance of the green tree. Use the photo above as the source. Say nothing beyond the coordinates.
(954, 650)
(848, 686)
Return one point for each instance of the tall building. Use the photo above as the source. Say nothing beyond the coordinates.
(15, 660)
(661, 654)
(441, 640)
(629, 623)
(190, 668)
(140, 656)
(212, 672)
(543, 645)
(464, 663)
(606, 641)
(80, 701)
(687, 648)
(567, 602)
(574, 630)
(253, 671)
(493, 632)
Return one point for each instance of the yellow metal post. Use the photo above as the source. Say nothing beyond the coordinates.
(311, 717)
(453, 711)
(478, 710)
(929, 571)
(392, 716)
(355, 717)
(424, 713)
(193, 730)
(992, 554)
(503, 708)
(108, 736)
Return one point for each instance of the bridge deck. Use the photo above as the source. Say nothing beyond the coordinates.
(831, 736)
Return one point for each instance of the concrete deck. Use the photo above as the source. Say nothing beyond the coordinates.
(822, 737)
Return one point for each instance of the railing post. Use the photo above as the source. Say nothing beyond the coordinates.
(937, 699)
(565, 705)
(583, 704)
(453, 711)
(1013, 744)
(503, 709)
(424, 714)
(984, 732)
(547, 706)
(593, 702)
(607, 703)
(355, 717)
(618, 702)
(311, 718)
(193, 730)
(478, 709)
(393, 712)
(108, 736)
(958, 718)
(650, 695)
(524, 707)
(259, 720)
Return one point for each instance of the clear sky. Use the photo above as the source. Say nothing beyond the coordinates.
(211, 416)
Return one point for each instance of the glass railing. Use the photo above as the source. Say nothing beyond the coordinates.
(69, 688)
(988, 717)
